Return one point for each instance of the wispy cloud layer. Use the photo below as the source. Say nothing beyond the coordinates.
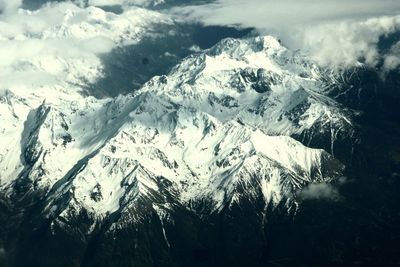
(61, 43)
(277, 15)
(335, 32)
(62, 40)
(320, 191)
(124, 2)
(7, 6)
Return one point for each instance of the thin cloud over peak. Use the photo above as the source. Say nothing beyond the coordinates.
(336, 33)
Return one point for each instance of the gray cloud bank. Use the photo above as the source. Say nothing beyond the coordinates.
(334, 32)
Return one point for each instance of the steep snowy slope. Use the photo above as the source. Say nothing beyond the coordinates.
(52, 55)
(257, 82)
(216, 130)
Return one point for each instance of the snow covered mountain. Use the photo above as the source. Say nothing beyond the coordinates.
(127, 138)
(217, 129)
(229, 137)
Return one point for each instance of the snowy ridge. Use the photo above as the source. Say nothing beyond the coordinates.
(258, 82)
(219, 123)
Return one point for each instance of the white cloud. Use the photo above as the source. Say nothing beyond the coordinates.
(125, 2)
(61, 43)
(392, 60)
(105, 2)
(283, 14)
(9, 6)
(345, 43)
(334, 32)
(320, 191)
